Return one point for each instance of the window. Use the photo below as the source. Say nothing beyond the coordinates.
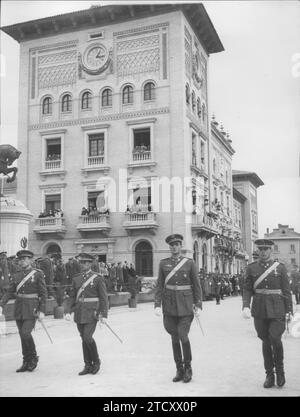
(47, 105)
(142, 144)
(107, 98)
(52, 202)
(66, 103)
(139, 198)
(202, 152)
(203, 112)
(96, 199)
(227, 204)
(96, 149)
(53, 149)
(86, 100)
(149, 91)
(293, 261)
(127, 96)
(187, 94)
(214, 166)
(215, 194)
(292, 248)
(194, 153)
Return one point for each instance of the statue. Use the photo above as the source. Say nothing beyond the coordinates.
(8, 154)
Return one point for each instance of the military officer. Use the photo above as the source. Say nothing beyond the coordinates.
(30, 289)
(295, 276)
(267, 282)
(89, 302)
(178, 290)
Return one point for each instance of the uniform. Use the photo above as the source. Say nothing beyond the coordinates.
(93, 301)
(271, 302)
(30, 299)
(295, 276)
(177, 298)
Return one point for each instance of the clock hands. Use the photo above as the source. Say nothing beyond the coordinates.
(99, 55)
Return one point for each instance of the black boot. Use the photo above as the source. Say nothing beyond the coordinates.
(179, 374)
(278, 359)
(24, 367)
(32, 363)
(270, 380)
(187, 373)
(86, 370)
(95, 358)
(87, 361)
(95, 367)
(280, 378)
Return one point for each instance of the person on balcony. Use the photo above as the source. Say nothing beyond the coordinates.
(178, 290)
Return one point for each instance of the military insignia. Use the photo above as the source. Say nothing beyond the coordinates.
(169, 266)
(275, 272)
(185, 275)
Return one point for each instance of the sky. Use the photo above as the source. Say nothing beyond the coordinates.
(254, 91)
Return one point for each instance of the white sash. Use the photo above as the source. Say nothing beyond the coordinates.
(86, 283)
(266, 273)
(25, 279)
(178, 266)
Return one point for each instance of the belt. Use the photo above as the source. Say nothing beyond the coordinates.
(178, 287)
(267, 291)
(27, 295)
(88, 300)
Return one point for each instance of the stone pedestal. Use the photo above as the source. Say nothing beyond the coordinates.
(14, 225)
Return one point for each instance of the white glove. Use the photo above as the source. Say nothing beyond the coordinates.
(157, 311)
(197, 311)
(1, 311)
(41, 315)
(246, 313)
(68, 317)
(102, 320)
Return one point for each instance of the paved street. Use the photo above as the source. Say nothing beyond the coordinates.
(226, 362)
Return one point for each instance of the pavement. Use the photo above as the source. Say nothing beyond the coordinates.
(227, 360)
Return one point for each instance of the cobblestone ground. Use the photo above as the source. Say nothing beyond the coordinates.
(227, 361)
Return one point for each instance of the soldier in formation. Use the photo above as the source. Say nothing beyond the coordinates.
(267, 284)
(178, 290)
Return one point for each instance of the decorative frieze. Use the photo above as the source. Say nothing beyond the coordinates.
(138, 62)
(61, 57)
(57, 75)
(138, 43)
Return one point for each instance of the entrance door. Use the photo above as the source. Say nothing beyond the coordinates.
(53, 249)
(204, 257)
(102, 258)
(144, 259)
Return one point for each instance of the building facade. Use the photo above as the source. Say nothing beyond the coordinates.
(286, 245)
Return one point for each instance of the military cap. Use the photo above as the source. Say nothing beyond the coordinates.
(174, 238)
(85, 257)
(3, 253)
(24, 252)
(266, 243)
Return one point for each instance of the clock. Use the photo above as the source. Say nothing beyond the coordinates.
(95, 59)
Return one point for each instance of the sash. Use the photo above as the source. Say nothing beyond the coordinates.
(25, 279)
(85, 284)
(178, 266)
(266, 273)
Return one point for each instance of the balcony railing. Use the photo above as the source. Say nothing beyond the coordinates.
(205, 225)
(142, 220)
(94, 223)
(141, 156)
(50, 225)
(95, 160)
(53, 164)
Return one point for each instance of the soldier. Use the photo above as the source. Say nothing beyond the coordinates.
(30, 304)
(267, 282)
(216, 286)
(178, 290)
(89, 302)
(295, 276)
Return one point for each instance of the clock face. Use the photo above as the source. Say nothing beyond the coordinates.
(95, 57)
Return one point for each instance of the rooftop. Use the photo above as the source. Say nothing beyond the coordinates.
(104, 15)
(247, 176)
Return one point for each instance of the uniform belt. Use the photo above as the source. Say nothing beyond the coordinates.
(178, 287)
(267, 291)
(88, 300)
(27, 295)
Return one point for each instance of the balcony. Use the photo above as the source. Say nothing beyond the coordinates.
(138, 156)
(95, 163)
(53, 164)
(53, 167)
(205, 226)
(140, 221)
(50, 225)
(99, 223)
(141, 158)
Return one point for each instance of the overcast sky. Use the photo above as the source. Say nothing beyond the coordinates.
(254, 90)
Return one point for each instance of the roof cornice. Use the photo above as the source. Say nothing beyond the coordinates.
(105, 15)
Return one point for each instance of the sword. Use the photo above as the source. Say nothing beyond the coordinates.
(199, 323)
(108, 326)
(45, 328)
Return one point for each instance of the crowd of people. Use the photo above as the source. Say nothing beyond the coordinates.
(51, 213)
(94, 211)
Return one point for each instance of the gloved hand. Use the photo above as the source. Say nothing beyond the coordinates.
(157, 311)
(41, 315)
(102, 319)
(197, 311)
(68, 317)
(246, 313)
(1, 311)
(288, 316)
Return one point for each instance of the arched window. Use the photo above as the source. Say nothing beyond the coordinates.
(127, 96)
(106, 98)
(198, 107)
(86, 100)
(187, 93)
(193, 101)
(53, 249)
(144, 259)
(149, 91)
(66, 103)
(47, 105)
